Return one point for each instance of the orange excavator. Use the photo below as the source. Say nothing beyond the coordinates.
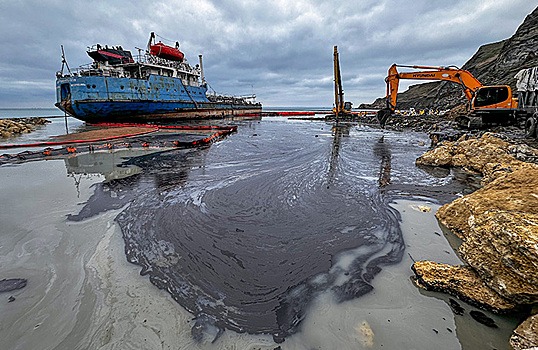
(488, 104)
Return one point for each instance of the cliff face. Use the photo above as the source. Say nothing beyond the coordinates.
(518, 52)
(492, 64)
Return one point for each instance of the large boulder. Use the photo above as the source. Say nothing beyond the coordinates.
(502, 247)
(460, 281)
(472, 154)
(499, 222)
(498, 225)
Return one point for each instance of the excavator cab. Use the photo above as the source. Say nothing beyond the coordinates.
(493, 97)
(491, 105)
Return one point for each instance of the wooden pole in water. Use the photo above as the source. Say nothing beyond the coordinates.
(65, 118)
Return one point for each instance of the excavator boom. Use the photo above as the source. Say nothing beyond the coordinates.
(338, 91)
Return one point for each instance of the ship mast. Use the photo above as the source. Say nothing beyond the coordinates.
(151, 38)
(201, 69)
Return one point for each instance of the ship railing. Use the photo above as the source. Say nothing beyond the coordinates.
(249, 100)
(248, 97)
(158, 61)
(82, 71)
(96, 47)
(92, 69)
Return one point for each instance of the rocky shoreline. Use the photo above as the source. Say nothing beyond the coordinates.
(18, 126)
(498, 225)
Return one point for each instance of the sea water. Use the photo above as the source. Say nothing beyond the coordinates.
(59, 124)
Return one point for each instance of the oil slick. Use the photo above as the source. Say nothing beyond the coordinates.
(250, 253)
(244, 252)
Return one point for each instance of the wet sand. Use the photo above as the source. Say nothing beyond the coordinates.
(83, 294)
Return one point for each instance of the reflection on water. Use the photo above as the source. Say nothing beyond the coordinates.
(105, 163)
(129, 173)
(339, 130)
(246, 233)
(382, 151)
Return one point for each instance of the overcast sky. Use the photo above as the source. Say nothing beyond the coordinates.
(281, 50)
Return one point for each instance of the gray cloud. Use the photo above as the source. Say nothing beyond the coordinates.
(280, 50)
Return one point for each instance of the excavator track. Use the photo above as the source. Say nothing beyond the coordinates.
(469, 122)
(474, 123)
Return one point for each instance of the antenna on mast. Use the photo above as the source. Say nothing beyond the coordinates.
(64, 62)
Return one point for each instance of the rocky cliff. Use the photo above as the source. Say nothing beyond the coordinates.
(494, 63)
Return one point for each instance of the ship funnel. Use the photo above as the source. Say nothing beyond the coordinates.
(201, 69)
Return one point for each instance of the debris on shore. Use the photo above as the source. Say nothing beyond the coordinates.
(8, 285)
(18, 126)
(498, 225)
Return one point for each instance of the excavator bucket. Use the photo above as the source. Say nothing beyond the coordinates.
(383, 115)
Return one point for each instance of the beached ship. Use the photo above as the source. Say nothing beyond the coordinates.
(157, 85)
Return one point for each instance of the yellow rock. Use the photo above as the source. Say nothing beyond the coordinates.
(366, 334)
(421, 208)
(11, 127)
(499, 226)
(460, 281)
(526, 334)
(472, 154)
(440, 156)
(499, 222)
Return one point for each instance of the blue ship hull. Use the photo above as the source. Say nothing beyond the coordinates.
(108, 99)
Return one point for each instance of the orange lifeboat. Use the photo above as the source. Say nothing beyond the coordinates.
(167, 52)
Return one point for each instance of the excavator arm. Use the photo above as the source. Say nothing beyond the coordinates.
(459, 76)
